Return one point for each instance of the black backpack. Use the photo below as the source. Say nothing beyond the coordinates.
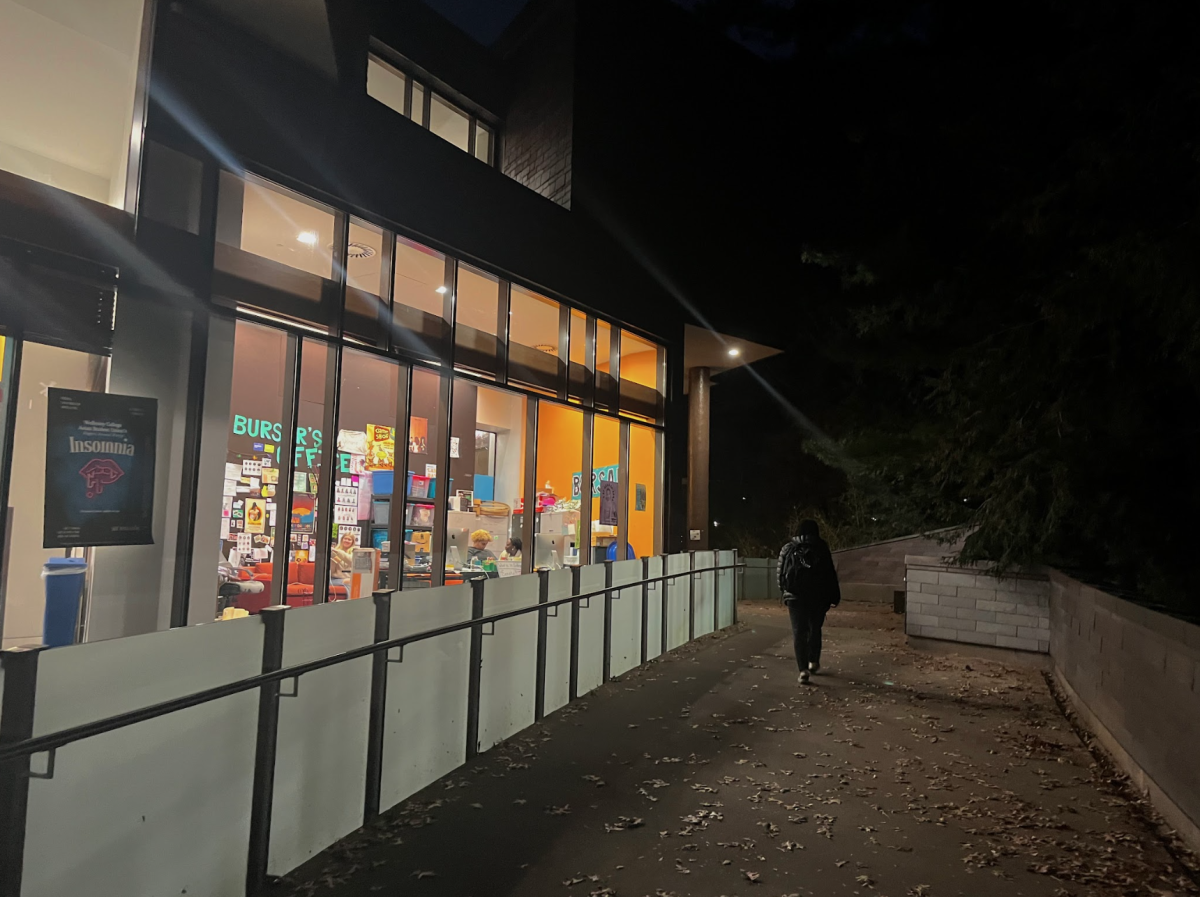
(799, 566)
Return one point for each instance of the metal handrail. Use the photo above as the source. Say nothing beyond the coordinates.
(54, 740)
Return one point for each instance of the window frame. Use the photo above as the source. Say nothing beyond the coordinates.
(415, 77)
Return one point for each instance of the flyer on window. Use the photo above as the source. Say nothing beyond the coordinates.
(99, 469)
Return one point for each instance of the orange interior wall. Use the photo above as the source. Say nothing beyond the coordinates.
(559, 447)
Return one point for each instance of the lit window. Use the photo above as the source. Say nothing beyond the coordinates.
(449, 122)
(386, 84)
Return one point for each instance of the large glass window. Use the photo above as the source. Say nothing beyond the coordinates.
(386, 84)
(275, 223)
(307, 528)
(558, 496)
(643, 375)
(581, 366)
(367, 507)
(275, 250)
(425, 484)
(418, 103)
(478, 325)
(449, 122)
(420, 301)
(607, 506)
(644, 492)
(70, 76)
(487, 477)
(389, 84)
(366, 285)
(483, 144)
(536, 342)
(607, 365)
(256, 472)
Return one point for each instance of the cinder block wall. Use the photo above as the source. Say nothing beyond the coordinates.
(1134, 676)
(964, 604)
(873, 572)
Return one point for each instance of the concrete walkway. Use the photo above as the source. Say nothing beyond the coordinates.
(712, 772)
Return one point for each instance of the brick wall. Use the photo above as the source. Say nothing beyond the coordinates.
(964, 604)
(1134, 675)
(538, 137)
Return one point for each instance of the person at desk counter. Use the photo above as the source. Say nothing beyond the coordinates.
(479, 547)
(512, 550)
(341, 558)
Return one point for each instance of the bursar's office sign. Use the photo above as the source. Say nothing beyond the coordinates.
(99, 469)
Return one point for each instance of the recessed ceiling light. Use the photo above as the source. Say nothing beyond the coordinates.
(440, 290)
(307, 237)
(734, 353)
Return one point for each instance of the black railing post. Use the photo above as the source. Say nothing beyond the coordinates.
(608, 599)
(737, 584)
(378, 707)
(645, 608)
(716, 579)
(474, 680)
(263, 791)
(691, 595)
(665, 585)
(573, 688)
(539, 688)
(16, 724)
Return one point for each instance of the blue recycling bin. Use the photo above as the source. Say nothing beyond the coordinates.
(64, 589)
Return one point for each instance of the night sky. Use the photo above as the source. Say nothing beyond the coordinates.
(484, 20)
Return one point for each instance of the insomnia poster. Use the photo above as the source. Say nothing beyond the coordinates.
(99, 469)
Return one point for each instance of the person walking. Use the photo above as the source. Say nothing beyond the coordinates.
(809, 583)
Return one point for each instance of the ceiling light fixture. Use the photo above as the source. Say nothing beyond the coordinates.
(440, 290)
(734, 353)
(307, 237)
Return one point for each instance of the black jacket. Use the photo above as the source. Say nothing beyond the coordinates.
(819, 585)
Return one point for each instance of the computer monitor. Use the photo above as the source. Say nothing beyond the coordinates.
(457, 543)
(550, 550)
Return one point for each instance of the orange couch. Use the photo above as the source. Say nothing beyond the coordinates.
(300, 587)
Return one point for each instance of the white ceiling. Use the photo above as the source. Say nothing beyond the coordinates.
(67, 72)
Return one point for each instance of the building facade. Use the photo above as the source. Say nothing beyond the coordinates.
(336, 244)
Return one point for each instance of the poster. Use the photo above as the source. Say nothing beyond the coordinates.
(251, 467)
(256, 515)
(418, 435)
(608, 503)
(270, 475)
(226, 506)
(345, 515)
(381, 447)
(453, 446)
(99, 469)
(302, 513)
(639, 497)
(300, 482)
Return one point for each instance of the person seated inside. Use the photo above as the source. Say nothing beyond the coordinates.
(479, 547)
(341, 558)
(512, 548)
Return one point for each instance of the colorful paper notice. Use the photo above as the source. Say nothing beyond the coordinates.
(256, 515)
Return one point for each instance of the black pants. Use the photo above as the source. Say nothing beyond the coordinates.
(807, 620)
